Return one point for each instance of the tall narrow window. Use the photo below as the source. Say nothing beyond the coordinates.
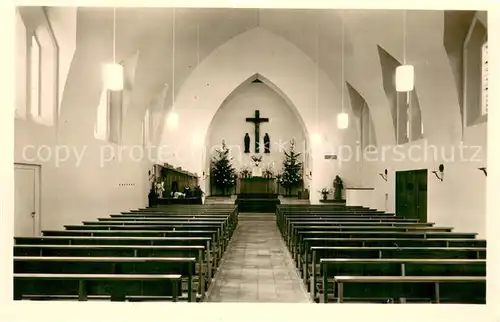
(101, 128)
(35, 86)
(367, 131)
(21, 67)
(484, 82)
(146, 129)
(475, 73)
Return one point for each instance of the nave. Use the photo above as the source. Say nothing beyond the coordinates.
(257, 266)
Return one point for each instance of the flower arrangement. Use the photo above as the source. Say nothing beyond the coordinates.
(325, 193)
(245, 173)
(257, 159)
(268, 172)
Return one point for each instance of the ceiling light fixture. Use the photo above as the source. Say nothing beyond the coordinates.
(343, 117)
(405, 74)
(113, 73)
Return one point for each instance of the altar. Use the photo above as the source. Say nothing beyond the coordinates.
(256, 185)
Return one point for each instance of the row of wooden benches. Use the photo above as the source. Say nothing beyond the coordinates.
(162, 253)
(358, 254)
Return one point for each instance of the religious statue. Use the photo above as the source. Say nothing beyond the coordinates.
(266, 144)
(338, 185)
(247, 143)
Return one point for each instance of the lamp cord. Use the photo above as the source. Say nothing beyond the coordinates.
(342, 62)
(173, 59)
(114, 35)
(316, 77)
(404, 37)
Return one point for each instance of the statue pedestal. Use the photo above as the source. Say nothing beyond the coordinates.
(359, 197)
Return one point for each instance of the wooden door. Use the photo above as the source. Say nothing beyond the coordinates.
(27, 221)
(411, 194)
(421, 202)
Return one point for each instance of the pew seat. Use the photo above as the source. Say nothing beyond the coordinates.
(400, 289)
(117, 287)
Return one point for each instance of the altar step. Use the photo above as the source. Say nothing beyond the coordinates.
(293, 201)
(257, 204)
(217, 200)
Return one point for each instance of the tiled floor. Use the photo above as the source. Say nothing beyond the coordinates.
(257, 267)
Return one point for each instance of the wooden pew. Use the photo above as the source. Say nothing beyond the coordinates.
(197, 252)
(385, 242)
(110, 265)
(84, 286)
(217, 242)
(310, 264)
(332, 218)
(334, 223)
(226, 227)
(130, 241)
(408, 229)
(332, 267)
(298, 238)
(431, 288)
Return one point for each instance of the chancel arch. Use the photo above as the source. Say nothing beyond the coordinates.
(257, 51)
(282, 125)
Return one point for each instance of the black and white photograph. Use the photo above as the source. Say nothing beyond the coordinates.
(328, 157)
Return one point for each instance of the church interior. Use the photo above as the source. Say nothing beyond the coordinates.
(250, 155)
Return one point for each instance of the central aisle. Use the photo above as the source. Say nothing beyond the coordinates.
(257, 267)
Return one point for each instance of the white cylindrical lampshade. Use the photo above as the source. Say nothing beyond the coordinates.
(342, 120)
(405, 75)
(172, 120)
(113, 77)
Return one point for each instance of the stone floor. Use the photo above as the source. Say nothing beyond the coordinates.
(257, 267)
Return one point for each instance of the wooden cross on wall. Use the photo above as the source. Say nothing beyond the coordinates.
(256, 121)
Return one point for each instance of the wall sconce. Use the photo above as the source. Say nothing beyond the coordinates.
(484, 170)
(384, 175)
(441, 172)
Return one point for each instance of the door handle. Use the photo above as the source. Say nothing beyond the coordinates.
(33, 214)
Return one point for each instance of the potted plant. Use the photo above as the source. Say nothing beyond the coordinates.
(324, 192)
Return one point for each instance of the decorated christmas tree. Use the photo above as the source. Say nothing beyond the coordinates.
(292, 169)
(223, 173)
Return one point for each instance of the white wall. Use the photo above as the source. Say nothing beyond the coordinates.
(460, 200)
(229, 124)
(82, 178)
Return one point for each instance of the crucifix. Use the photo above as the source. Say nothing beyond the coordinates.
(257, 120)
